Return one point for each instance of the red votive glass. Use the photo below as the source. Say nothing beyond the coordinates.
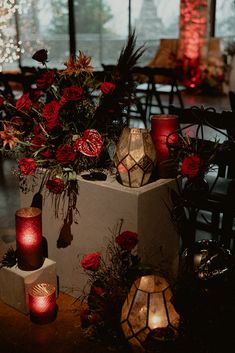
(28, 223)
(42, 303)
(161, 126)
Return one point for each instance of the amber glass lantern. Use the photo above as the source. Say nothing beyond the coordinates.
(28, 223)
(161, 127)
(148, 311)
(42, 303)
(135, 157)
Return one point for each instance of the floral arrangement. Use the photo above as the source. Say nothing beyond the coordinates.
(109, 279)
(70, 122)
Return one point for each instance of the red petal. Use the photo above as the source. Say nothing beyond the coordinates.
(90, 144)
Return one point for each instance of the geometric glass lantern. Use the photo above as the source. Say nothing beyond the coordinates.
(161, 126)
(42, 303)
(148, 311)
(135, 157)
(28, 223)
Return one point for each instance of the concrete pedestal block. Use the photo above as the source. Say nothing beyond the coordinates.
(101, 204)
(14, 283)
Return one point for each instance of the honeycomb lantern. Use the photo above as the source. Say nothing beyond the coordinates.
(135, 157)
(148, 311)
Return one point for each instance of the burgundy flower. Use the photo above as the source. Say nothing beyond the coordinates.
(46, 153)
(46, 79)
(72, 93)
(65, 154)
(50, 112)
(127, 240)
(27, 166)
(91, 261)
(108, 87)
(97, 290)
(38, 141)
(190, 166)
(55, 185)
(90, 144)
(40, 56)
(1, 101)
(24, 103)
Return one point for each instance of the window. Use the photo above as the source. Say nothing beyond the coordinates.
(154, 20)
(45, 25)
(101, 27)
(225, 18)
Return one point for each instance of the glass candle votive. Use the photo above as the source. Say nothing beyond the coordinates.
(42, 303)
(28, 223)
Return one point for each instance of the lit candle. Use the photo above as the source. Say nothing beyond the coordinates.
(29, 238)
(161, 127)
(42, 303)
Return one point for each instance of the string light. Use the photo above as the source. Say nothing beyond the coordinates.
(10, 48)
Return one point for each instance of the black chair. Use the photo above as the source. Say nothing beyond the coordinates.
(212, 212)
(153, 97)
(232, 100)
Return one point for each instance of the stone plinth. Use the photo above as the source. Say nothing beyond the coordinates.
(14, 283)
(101, 204)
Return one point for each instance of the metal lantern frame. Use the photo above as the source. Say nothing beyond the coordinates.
(135, 157)
(147, 309)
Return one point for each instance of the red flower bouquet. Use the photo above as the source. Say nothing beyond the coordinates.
(65, 124)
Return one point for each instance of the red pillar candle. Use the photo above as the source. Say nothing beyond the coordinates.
(42, 303)
(29, 238)
(161, 127)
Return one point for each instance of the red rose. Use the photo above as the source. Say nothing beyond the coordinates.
(190, 166)
(127, 240)
(65, 154)
(1, 101)
(50, 112)
(38, 141)
(46, 153)
(27, 166)
(108, 87)
(72, 93)
(97, 291)
(40, 56)
(91, 261)
(46, 79)
(24, 103)
(55, 185)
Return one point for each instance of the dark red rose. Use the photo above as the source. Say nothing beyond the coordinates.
(65, 154)
(190, 166)
(97, 290)
(71, 94)
(55, 185)
(40, 56)
(38, 141)
(27, 166)
(91, 261)
(108, 87)
(37, 130)
(90, 144)
(127, 240)
(46, 153)
(2, 100)
(46, 79)
(50, 112)
(24, 103)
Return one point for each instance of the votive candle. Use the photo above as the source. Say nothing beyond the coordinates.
(28, 223)
(42, 303)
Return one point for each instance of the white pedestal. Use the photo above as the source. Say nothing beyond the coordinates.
(101, 205)
(14, 283)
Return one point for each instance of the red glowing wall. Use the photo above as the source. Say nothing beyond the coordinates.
(193, 32)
